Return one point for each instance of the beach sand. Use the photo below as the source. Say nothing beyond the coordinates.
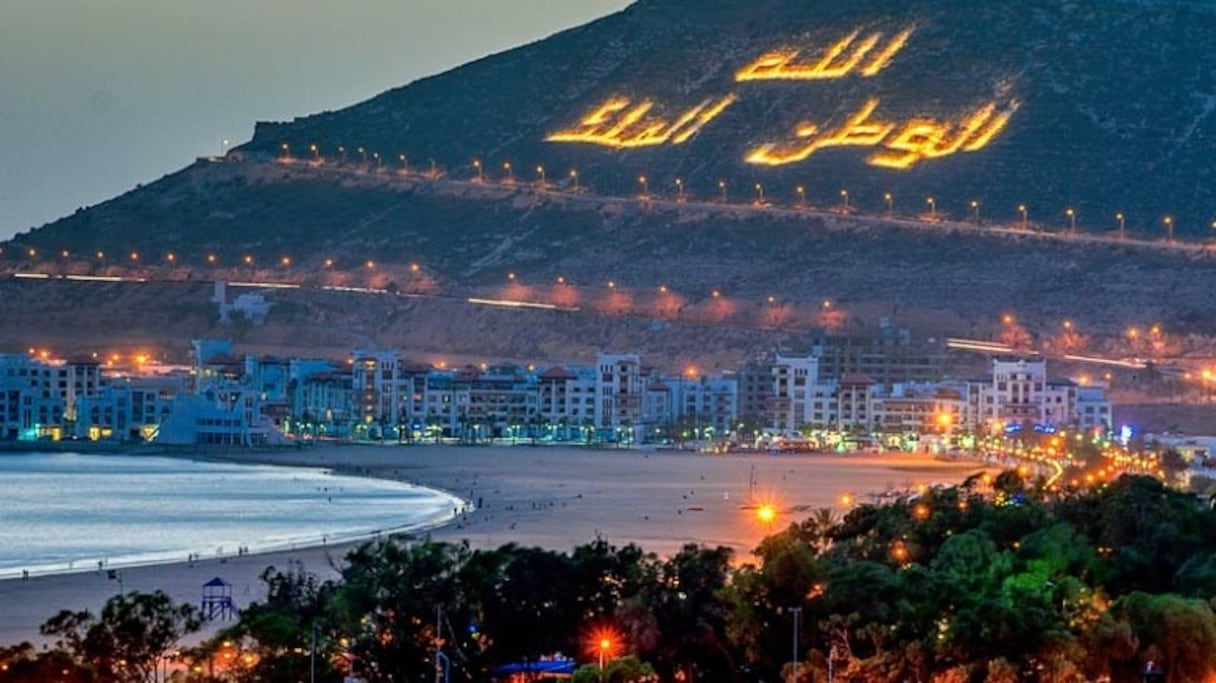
(552, 497)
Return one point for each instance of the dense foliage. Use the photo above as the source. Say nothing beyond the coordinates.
(954, 586)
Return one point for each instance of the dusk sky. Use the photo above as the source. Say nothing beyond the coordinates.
(98, 96)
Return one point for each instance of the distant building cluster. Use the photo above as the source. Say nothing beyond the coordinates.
(223, 399)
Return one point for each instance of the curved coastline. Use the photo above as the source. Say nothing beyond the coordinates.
(550, 497)
(252, 459)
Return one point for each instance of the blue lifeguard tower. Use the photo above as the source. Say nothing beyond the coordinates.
(217, 601)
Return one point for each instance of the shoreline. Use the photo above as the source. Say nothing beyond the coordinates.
(301, 543)
(552, 497)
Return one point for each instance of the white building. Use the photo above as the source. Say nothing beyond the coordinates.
(789, 405)
(619, 392)
(227, 415)
(29, 407)
(384, 393)
(567, 399)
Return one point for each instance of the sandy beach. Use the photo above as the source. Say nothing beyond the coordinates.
(552, 497)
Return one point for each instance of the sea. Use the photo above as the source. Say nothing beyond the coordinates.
(66, 512)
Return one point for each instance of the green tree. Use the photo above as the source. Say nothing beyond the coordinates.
(628, 669)
(128, 639)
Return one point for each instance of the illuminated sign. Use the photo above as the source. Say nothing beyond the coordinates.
(903, 144)
(896, 143)
(844, 57)
(621, 124)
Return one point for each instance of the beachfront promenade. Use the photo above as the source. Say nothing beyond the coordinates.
(549, 497)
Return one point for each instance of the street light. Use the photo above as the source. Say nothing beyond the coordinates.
(975, 211)
(510, 174)
(680, 189)
(477, 167)
(795, 615)
(1169, 228)
(844, 194)
(405, 163)
(801, 195)
(890, 199)
(1072, 219)
(932, 207)
(604, 647)
(759, 193)
(286, 151)
(722, 187)
(316, 153)
(645, 185)
(574, 177)
(1025, 216)
(362, 154)
(1123, 225)
(540, 172)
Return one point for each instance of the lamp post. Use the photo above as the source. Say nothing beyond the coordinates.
(759, 193)
(477, 168)
(574, 177)
(722, 187)
(405, 163)
(932, 207)
(1025, 216)
(680, 189)
(540, 172)
(844, 195)
(801, 195)
(286, 151)
(605, 646)
(510, 174)
(890, 200)
(975, 211)
(795, 614)
(1122, 225)
(1169, 228)
(1072, 219)
(316, 153)
(642, 180)
(362, 154)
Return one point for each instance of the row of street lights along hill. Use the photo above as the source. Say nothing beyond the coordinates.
(315, 155)
(211, 259)
(760, 198)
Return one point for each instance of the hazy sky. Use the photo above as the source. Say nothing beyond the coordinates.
(98, 95)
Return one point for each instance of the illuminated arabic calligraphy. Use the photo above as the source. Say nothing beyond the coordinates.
(625, 123)
(842, 58)
(621, 124)
(904, 144)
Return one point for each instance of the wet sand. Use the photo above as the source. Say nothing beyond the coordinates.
(552, 497)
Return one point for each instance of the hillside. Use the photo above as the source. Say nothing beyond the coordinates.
(1101, 106)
